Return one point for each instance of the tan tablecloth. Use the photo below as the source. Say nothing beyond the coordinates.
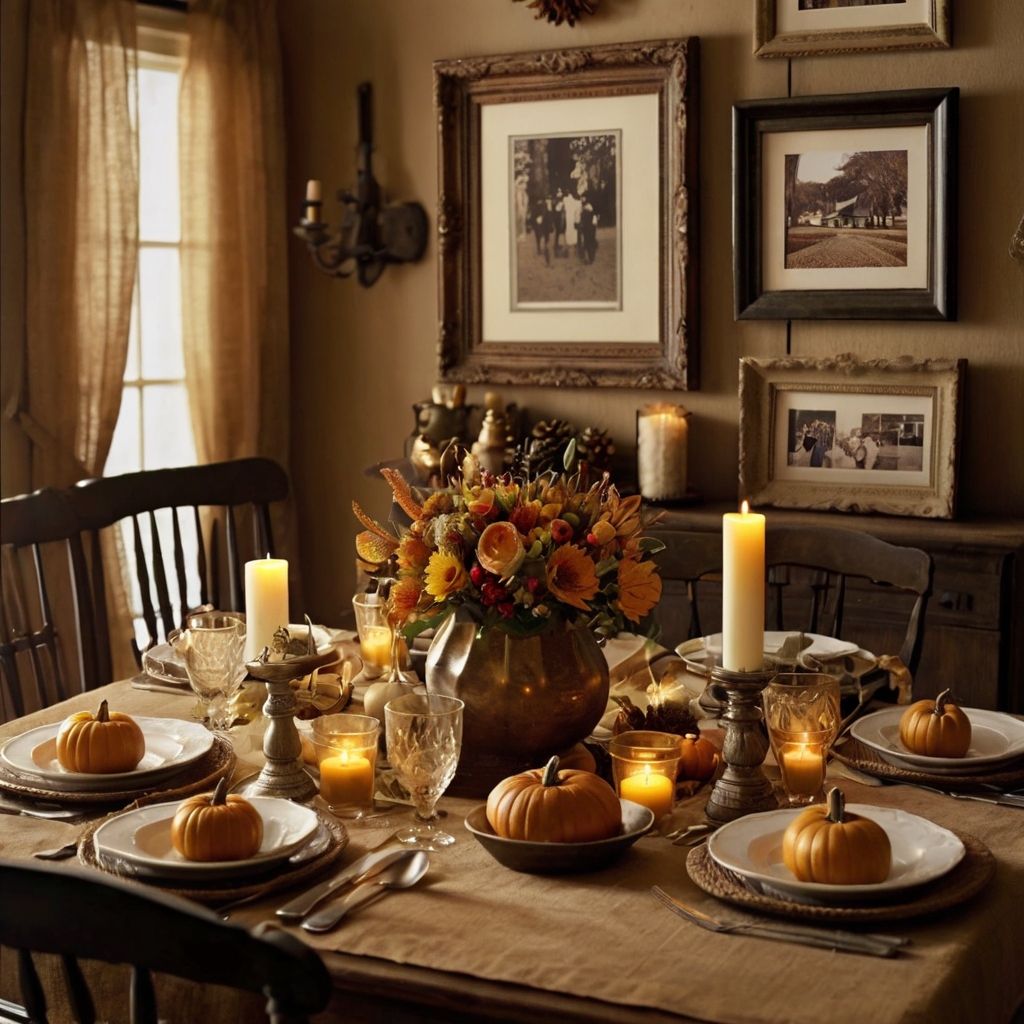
(603, 935)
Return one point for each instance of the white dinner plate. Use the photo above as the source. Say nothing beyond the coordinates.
(171, 745)
(751, 846)
(996, 739)
(139, 841)
(821, 647)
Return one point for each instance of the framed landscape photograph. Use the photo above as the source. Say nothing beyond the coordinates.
(567, 245)
(844, 207)
(804, 28)
(860, 436)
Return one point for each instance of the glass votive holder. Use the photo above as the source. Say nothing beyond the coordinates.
(374, 634)
(346, 754)
(801, 712)
(644, 767)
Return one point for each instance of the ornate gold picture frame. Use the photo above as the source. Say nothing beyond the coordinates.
(567, 217)
(807, 28)
(855, 435)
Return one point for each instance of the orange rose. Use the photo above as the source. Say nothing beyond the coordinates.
(500, 549)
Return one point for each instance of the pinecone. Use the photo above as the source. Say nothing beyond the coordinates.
(668, 717)
(596, 448)
(558, 11)
(546, 446)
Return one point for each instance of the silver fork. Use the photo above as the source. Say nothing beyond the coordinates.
(848, 942)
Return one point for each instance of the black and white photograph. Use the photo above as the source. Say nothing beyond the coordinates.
(846, 209)
(827, 5)
(868, 441)
(565, 220)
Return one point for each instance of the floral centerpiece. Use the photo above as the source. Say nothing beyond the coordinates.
(515, 552)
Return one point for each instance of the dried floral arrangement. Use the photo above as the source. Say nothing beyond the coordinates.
(516, 551)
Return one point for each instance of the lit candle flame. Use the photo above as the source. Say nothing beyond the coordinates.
(745, 508)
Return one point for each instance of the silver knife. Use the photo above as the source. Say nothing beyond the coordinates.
(358, 871)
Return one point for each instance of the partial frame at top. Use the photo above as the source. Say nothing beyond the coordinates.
(567, 217)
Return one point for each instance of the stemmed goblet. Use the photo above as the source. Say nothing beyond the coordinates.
(423, 733)
(212, 645)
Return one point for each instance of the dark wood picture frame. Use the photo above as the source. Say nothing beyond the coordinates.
(933, 31)
(666, 69)
(934, 109)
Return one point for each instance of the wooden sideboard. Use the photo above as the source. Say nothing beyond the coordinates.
(974, 625)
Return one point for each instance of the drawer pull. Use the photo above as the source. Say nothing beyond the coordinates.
(956, 601)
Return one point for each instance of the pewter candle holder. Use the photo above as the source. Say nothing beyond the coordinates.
(283, 775)
(743, 788)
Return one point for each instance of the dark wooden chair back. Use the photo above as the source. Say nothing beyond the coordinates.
(207, 496)
(75, 913)
(810, 574)
(39, 663)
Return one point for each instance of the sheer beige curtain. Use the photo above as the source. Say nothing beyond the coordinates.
(81, 197)
(234, 231)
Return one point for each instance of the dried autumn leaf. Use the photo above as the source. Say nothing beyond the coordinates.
(402, 493)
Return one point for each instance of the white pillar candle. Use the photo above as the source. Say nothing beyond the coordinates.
(313, 193)
(266, 602)
(661, 443)
(743, 591)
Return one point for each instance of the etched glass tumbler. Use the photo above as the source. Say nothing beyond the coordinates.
(424, 737)
(212, 645)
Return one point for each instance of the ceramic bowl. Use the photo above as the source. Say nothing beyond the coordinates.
(560, 858)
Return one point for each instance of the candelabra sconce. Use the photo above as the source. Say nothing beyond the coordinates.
(372, 235)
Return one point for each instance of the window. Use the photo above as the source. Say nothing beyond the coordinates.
(154, 427)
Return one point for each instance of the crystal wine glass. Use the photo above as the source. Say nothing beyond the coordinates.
(424, 736)
(212, 645)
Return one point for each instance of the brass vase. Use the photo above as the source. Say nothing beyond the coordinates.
(526, 697)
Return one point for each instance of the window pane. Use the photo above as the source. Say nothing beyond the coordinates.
(160, 314)
(166, 427)
(159, 216)
(126, 447)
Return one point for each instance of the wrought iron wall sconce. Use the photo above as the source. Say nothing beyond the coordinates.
(371, 235)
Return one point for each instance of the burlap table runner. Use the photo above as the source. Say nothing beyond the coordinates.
(604, 936)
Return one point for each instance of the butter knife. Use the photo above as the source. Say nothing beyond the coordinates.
(358, 871)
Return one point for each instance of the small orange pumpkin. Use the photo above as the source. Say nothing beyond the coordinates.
(698, 758)
(825, 844)
(100, 744)
(216, 827)
(546, 805)
(936, 728)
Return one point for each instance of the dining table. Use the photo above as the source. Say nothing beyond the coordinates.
(477, 941)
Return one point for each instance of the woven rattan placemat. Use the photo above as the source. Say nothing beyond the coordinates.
(856, 755)
(202, 774)
(967, 879)
(280, 876)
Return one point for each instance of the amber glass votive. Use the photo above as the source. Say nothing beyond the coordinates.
(802, 714)
(644, 766)
(346, 754)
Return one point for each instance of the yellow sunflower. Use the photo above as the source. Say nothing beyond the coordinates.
(639, 588)
(446, 575)
(571, 577)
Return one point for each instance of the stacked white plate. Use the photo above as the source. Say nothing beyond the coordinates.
(139, 842)
(997, 740)
(172, 746)
(752, 848)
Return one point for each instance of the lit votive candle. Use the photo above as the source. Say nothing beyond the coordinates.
(650, 789)
(803, 769)
(375, 645)
(346, 779)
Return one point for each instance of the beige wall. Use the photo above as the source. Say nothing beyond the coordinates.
(362, 357)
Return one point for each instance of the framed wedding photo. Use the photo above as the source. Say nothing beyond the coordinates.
(845, 207)
(805, 28)
(854, 435)
(567, 217)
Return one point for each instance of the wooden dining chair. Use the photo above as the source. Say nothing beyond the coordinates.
(41, 664)
(814, 575)
(161, 509)
(75, 913)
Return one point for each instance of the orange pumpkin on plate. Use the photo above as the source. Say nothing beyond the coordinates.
(936, 728)
(100, 744)
(217, 827)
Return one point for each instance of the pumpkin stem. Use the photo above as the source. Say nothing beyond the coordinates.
(103, 715)
(220, 794)
(836, 805)
(941, 701)
(550, 776)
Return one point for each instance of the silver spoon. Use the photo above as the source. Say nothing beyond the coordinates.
(400, 875)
